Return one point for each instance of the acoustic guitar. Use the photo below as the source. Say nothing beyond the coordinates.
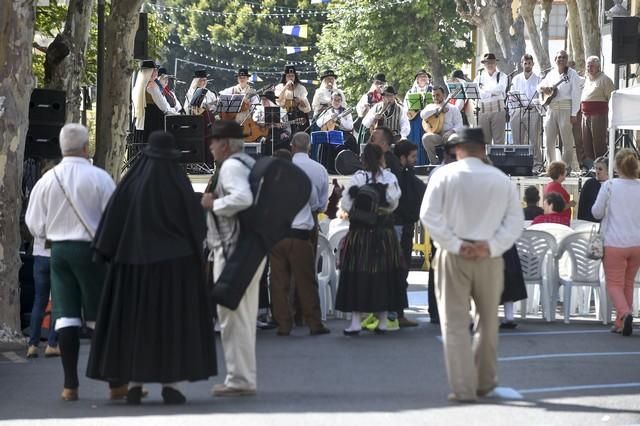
(434, 123)
(331, 124)
(545, 99)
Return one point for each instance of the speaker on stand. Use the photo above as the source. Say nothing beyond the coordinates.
(141, 41)
(47, 112)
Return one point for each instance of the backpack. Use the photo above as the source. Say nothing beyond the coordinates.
(280, 190)
(366, 200)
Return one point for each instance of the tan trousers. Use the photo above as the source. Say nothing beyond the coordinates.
(594, 136)
(238, 332)
(525, 130)
(469, 367)
(432, 140)
(557, 122)
(493, 126)
(293, 260)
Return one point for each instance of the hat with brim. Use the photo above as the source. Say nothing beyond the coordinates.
(421, 72)
(290, 69)
(389, 90)
(162, 146)
(226, 129)
(459, 74)
(148, 64)
(328, 73)
(163, 72)
(200, 74)
(269, 94)
(243, 72)
(488, 57)
(467, 135)
(379, 77)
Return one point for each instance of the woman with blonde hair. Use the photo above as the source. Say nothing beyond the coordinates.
(621, 230)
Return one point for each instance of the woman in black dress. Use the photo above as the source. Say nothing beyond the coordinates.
(590, 190)
(371, 271)
(154, 322)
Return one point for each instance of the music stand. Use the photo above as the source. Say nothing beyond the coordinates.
(472, 92)
(272, 117)
(516, 101)
(229, 103)
(455, 86)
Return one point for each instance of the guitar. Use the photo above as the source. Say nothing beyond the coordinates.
(545, 99)
(331, 124)
(434, 123)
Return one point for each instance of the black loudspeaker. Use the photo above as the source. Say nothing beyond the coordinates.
(514, 160)
(189, 133)
(140, 44)
(47, 111)
(625, 40)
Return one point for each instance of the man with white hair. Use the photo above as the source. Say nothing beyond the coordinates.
(65, 207)
(595, 109)
(231, 195)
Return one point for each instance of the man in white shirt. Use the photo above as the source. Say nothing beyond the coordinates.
(525, 119)
(452, 121)
(492, 85)
(563, 109)
(232, 194)
(293, 258)
(390, 114)
(468, 263)
(65, 207)
(251, 97)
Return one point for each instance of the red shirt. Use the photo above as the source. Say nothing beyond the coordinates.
(556, 187)
(560, 218)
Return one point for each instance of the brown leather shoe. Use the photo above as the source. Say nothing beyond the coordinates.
(118, 393)
(51, 351)
(69, 394)
(32, 351)
(223, 390)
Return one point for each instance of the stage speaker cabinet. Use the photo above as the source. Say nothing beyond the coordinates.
(189, 133)
(47, 111)
(140, 43)
(514, 160)
(625, 40)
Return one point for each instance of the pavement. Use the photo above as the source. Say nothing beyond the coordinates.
(550, 374)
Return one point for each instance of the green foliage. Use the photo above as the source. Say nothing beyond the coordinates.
(397, 41)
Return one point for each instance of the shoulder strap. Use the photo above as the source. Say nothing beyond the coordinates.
(73, 207)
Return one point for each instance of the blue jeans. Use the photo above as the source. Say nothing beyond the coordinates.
(42, 281)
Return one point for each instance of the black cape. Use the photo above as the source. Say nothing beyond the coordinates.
(514, 286)
(154, 320)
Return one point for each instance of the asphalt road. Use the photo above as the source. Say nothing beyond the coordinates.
(550, 374)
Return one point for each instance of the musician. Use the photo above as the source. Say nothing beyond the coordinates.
(337, 117)
(388, 113)
(421, 86)
(209, 100)
(373, 96)
(169, 95)
(463, 105)
(451, 121)
(149, 105)
(279, 132)
(292, 96)
(563, 109)
(595, 108)
(243, 88)
(322, 96)
(525, 119)
(492, 86)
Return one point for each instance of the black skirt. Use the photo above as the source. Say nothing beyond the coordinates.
(154, 324)
(372, 277)
(514, 287)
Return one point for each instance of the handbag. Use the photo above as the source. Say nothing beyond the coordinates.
(595, 245)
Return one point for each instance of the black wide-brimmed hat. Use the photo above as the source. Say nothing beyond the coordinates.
(147, 64)
(269, 94)
(459, 74)
(163, 71)
(226, 129)
(200, 74)
(488, 57)
(389, 90)
(243, 72)
(162, 145)
(467, 135)
(328, 73)
(290, 69)
(379, 77)
(422, 72)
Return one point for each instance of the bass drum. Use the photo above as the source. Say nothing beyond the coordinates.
(347, 162)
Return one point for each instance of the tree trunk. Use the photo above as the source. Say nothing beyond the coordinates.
(64, 63)
(503, 19)
(542, 54)
(16, 82)
(575, 34)
(519, 46)
(588, 11)
(437, 69)
(544, 23)
(111, 130)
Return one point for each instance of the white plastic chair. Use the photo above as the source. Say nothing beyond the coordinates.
(336, 237)
(537, 250)
(324, 226)
(583, 225)
(324, 258)
(583, 272)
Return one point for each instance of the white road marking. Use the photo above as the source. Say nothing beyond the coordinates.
(566, 355)
(14, 357)
(580, 387)
(545, 333)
